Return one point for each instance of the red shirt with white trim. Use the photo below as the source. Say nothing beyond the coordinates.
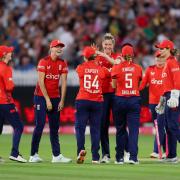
(90, 80)
(153, 78)
(171, 74)
(6, 84)
(127, 75)
(107, 81)
(53, 71)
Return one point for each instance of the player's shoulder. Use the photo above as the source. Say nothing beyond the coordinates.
(80, 67)
(151, 68)
(44, 59)
(3, 67)
(138, 66)
(62, 61)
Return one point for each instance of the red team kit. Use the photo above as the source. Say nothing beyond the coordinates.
(102, 87)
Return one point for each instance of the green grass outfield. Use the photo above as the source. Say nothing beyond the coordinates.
(148, 169)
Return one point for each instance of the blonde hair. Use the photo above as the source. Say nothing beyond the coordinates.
(109, 36)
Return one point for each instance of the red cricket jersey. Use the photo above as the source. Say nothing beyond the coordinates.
(6, 84)
(107, 80)
(90, 77)
(53, 71)
(153, 78)
(171, 74)
(128, 76)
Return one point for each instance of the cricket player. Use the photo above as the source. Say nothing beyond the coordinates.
(171, 82)
(126, 77)
(88, 104)
(7, 106)
(47, 100)
(153, 78)
(106, 59)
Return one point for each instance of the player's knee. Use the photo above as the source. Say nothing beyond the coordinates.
(40, 127)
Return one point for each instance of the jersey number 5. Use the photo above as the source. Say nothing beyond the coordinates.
(128, 80)
(89, 82)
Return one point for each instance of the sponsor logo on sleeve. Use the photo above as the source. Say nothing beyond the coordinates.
(41, 67)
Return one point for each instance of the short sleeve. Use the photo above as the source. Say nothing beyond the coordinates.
(7, 77)
(42, 66)
(64, 68)
(79, 70)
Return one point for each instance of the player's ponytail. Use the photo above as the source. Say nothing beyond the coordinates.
(109, 36)
(93, 57)
(128, 58)
(174, 52)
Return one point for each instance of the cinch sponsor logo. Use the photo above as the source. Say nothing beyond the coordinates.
(52, 76)
(155, 81)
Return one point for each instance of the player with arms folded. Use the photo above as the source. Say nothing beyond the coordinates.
(7, 107)
(126, 77)
(47, 100)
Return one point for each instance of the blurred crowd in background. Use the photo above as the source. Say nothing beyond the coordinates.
(29, 26)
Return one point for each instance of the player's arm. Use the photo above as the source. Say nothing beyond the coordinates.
(114, 73)
(63, 86)
(145, 80)
(176, 74)
(41, 78)
(7, 78)
(63, 90)
(108, 58)
(114, 83)
(174, 69)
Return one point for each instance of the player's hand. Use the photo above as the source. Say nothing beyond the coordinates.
(173, 102)
(100, 53)
(119, 60)
(61, 105)
(160, 108)
(49, 105)
(94, 46)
